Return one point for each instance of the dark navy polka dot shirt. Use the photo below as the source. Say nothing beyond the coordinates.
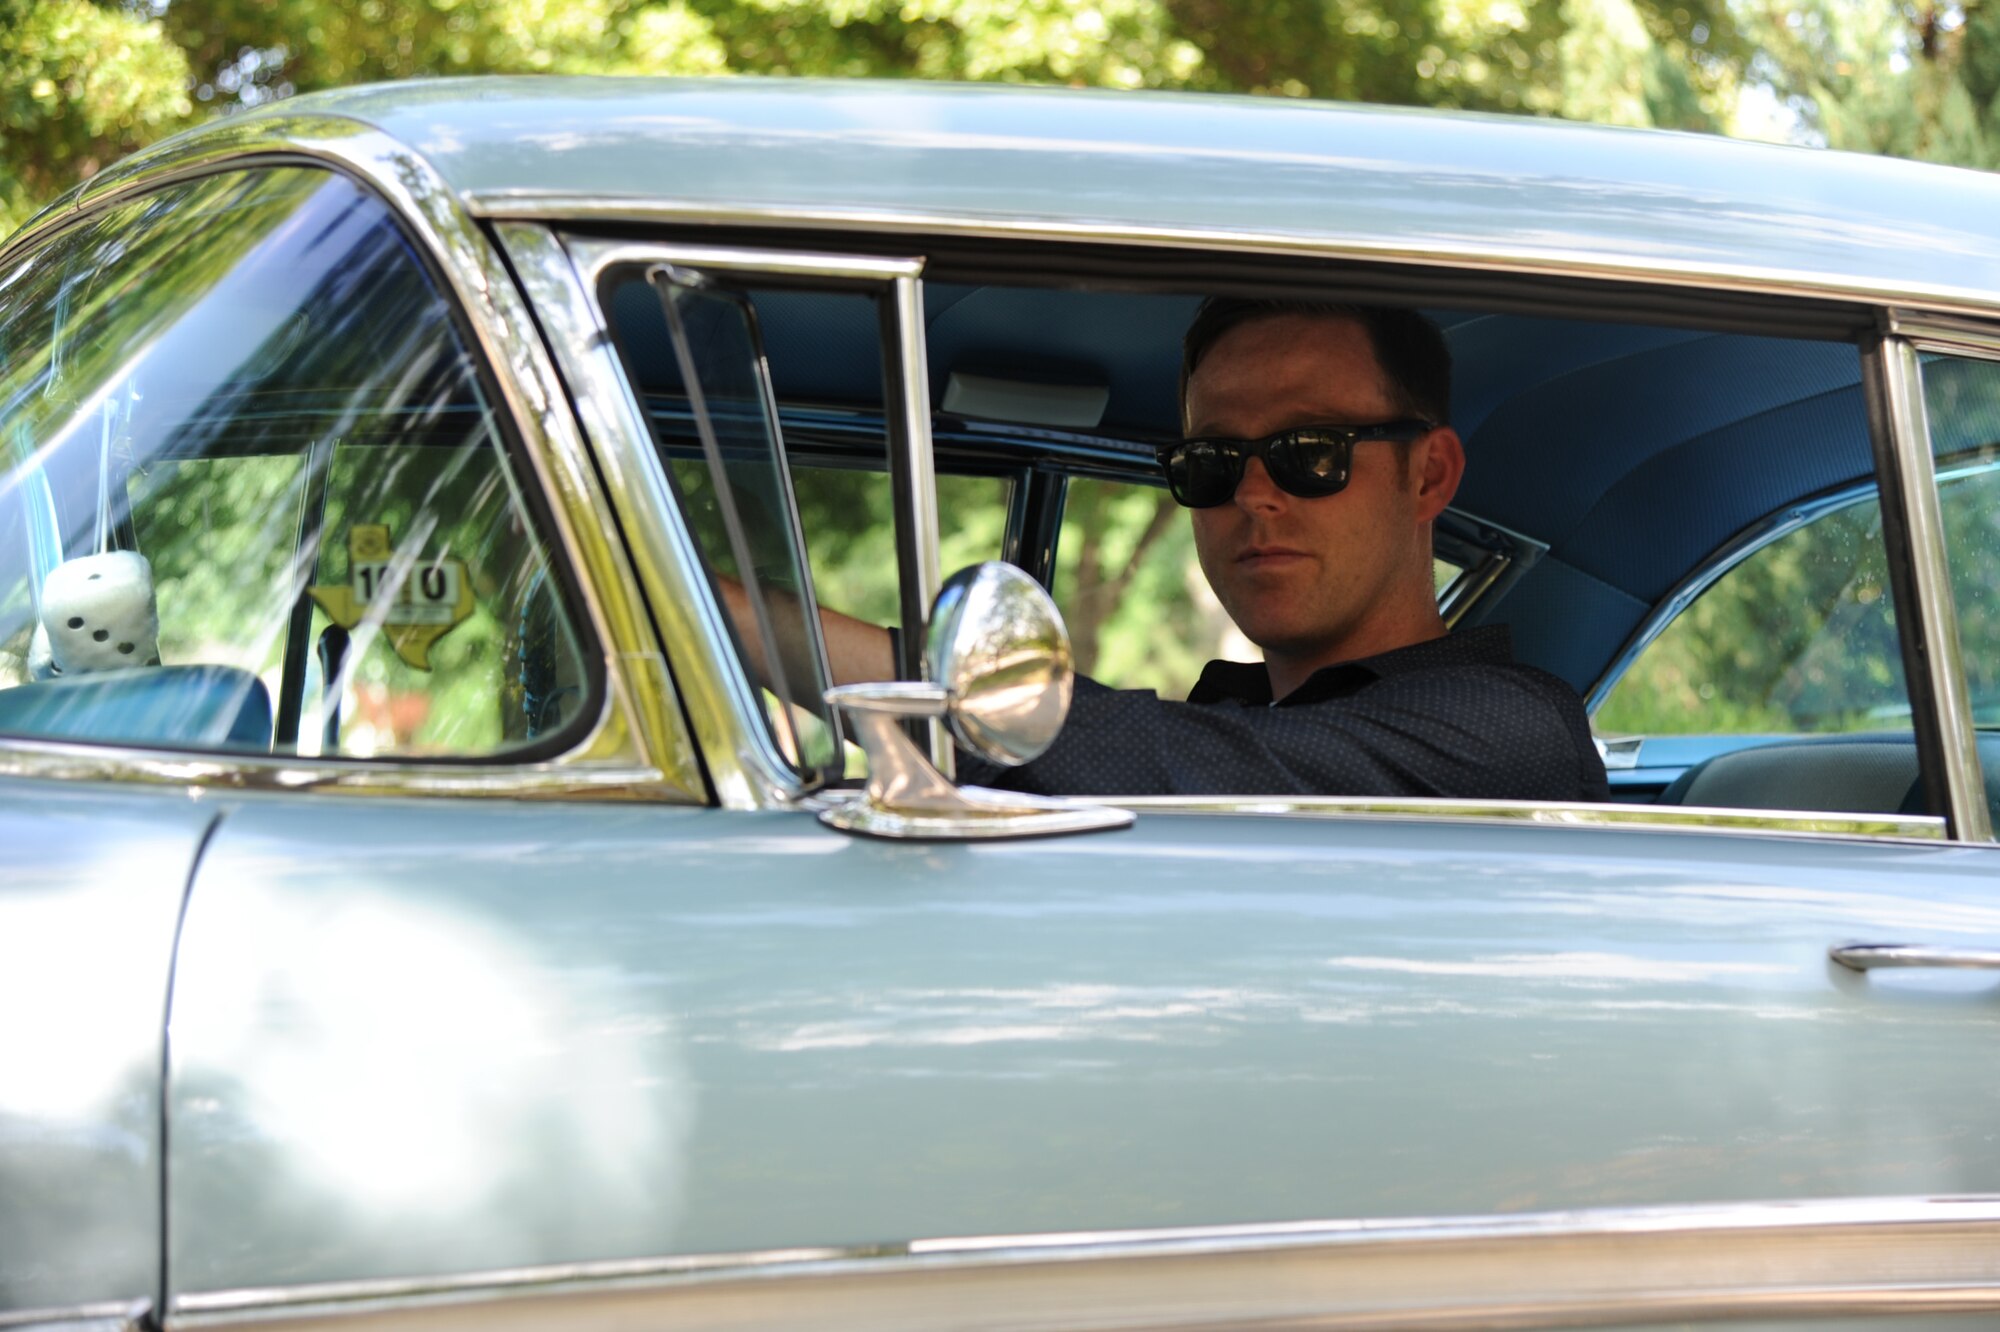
(1455, 716)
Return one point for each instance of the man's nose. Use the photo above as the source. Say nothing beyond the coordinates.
(1257, 492)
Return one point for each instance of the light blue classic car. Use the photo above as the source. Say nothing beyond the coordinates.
(417, 914)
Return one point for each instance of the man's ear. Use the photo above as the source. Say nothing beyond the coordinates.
(1439, 463)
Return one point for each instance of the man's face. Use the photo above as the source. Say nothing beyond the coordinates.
(1301, 577)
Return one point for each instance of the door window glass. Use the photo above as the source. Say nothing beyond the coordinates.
(255, 497)
(1798, 638)
(1962, 400)
(693, 349)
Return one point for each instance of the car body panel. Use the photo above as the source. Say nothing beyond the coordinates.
(88, 907)
(414, 1041)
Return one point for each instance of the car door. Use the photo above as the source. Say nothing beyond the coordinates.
(89, 904)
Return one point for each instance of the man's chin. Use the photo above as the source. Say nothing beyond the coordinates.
(1277, 638)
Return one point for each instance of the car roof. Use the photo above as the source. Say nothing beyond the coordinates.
(1403, 183)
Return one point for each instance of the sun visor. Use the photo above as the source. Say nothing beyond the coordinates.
(1023, 402)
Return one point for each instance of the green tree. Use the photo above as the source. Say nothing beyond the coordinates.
(1915, 78)
(80, 85)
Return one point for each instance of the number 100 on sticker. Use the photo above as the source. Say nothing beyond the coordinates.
(424, 594)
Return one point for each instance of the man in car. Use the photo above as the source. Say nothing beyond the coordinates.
(1316, 458)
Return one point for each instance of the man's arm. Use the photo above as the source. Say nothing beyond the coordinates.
(1407, 736)
(858, 652)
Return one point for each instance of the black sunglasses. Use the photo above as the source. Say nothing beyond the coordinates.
(1310, 461)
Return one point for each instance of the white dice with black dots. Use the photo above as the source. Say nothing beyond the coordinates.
(98, 614)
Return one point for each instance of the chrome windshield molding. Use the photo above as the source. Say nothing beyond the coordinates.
(637, 744)
(1778, 1260)
(1526, 260)
(1920, 579)
(1711, 570)
(1767, 822)
(744, 765)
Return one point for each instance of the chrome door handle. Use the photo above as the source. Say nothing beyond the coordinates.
(1867, 957)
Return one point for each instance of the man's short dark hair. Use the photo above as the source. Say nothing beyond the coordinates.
(1410, 347)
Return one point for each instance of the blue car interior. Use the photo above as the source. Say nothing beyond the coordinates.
(1629, 451)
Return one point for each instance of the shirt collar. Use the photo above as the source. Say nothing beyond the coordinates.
(1248, 683)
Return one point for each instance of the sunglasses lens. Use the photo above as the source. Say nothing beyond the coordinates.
(1308, 464)
(1201, 474)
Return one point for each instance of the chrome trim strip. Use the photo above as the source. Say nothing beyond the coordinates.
(1711, 570)
(1529, 260)
(913, 482)
(1474, 583)
(780, 263)
(1868, 957)
(1770, 822)
(637, 746)
(1927, 618)
(105, 1316)
(1944, 333)
(1604, 1266)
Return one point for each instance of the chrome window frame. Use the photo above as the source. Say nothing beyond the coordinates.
(1596, 1267)
(562, 272)
(638, 745)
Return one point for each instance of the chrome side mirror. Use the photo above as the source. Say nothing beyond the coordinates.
(998, 647)
(1001, 675)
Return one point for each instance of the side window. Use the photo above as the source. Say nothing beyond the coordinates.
(1799, 638)
(256, 499)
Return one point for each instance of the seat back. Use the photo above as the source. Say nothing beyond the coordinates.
(199, 707)
(1851, 774)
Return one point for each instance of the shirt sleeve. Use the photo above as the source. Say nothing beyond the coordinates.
(1477, 734)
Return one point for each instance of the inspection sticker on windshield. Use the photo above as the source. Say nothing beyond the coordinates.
(410, 600)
